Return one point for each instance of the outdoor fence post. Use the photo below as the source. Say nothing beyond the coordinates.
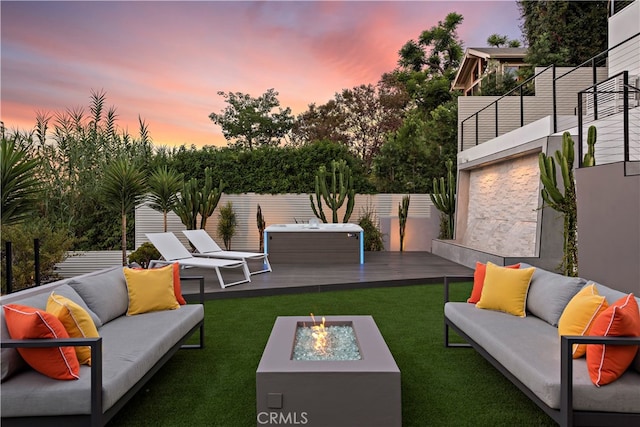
(36, 255)
(625, 115)
(8, 272)
(555, 109)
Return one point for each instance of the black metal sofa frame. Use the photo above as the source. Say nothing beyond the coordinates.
(98, 417)
(566, 415)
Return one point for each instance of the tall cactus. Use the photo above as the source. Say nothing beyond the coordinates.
(261, 226)
(209, 198)
(443, 198)
(590, 157)
(403, 213)
(334, 194)
(565, 203)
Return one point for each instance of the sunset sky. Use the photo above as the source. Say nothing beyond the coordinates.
(166, 60)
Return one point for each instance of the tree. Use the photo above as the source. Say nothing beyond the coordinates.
(319, 123)
(563, 32)
(19, 186)
(164, 184)
(497, 40)
(438, 50)
(123, 187)
(251, 122)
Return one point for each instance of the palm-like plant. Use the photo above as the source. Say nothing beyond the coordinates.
(19, 186)
(164, 185)
(123, 187)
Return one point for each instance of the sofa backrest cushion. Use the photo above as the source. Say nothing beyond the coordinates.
(11, 361)
(105, 293)
(550, 293)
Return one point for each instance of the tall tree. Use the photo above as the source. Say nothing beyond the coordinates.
(563, 32)
(123, 187)
(164, 184)
(252, 122)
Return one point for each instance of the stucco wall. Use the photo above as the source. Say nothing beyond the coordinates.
(502, 211)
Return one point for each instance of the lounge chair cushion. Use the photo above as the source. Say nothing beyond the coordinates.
(505, 289)
(25, 322)
(550, 293)
(607, 363)
(105, 294)
(150, 290)
(76, 322)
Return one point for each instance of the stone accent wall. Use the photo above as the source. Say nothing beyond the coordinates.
(502, 211)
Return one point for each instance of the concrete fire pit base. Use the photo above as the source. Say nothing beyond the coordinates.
(348, 393)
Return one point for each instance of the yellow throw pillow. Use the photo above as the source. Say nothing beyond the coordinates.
(150, 290)
(76, 321)
(505, 289)
(579, 314)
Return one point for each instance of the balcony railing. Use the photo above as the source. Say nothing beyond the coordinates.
(516, 108)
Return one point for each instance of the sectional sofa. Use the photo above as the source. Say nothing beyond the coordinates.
(530, 353)
(129, 350)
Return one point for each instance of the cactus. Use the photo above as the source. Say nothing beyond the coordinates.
(188, 204)
(443, 198)
(403, 212)
(261, 226)
(193, 201)
(590, 157)
(565, 203)
(209, 197)
(341, 189)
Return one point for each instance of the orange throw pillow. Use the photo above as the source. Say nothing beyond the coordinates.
(31, 323)
(606, 363)
(478, 281)
(177, 289)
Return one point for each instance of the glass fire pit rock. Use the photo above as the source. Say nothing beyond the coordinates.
(336, 393)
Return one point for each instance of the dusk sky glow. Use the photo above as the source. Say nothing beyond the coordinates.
(166, 60)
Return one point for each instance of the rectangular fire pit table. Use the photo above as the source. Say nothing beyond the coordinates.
(331, 393)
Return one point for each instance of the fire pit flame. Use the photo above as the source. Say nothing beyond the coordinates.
(319, 334)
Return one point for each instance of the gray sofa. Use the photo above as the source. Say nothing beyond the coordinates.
(529, 352)
(128, 352)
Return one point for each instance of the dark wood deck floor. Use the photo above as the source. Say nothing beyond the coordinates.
(380, 269)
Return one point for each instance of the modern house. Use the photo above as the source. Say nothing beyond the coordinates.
(500, 215)
(480, 62)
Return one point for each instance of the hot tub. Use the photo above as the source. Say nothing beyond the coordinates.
(309, 243)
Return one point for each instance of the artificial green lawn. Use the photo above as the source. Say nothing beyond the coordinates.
(440, 387)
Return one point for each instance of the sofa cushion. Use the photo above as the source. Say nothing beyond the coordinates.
(11, 362)
(579, 315)
(31, 323)
(76, 321)
(150, 290)
(104, 293)
(505, 289)
(608, 362)
(478, 281)
(550, 293)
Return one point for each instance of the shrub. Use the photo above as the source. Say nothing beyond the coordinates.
(373, 237)
(55, 241)
(227, 224)
(144, 254)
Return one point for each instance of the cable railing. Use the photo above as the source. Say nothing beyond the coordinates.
(553, 96)
(617, 94)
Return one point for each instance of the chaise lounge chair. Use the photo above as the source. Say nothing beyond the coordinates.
(172, 250)
(207, 247)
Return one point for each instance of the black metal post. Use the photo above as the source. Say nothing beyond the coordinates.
(580, 133)
(461, 136)
(625, 116)
(595, 88)
(553, 87)
(36, 259)
(521, 107)
(8, 269)
(476, 128)
(496, 119)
